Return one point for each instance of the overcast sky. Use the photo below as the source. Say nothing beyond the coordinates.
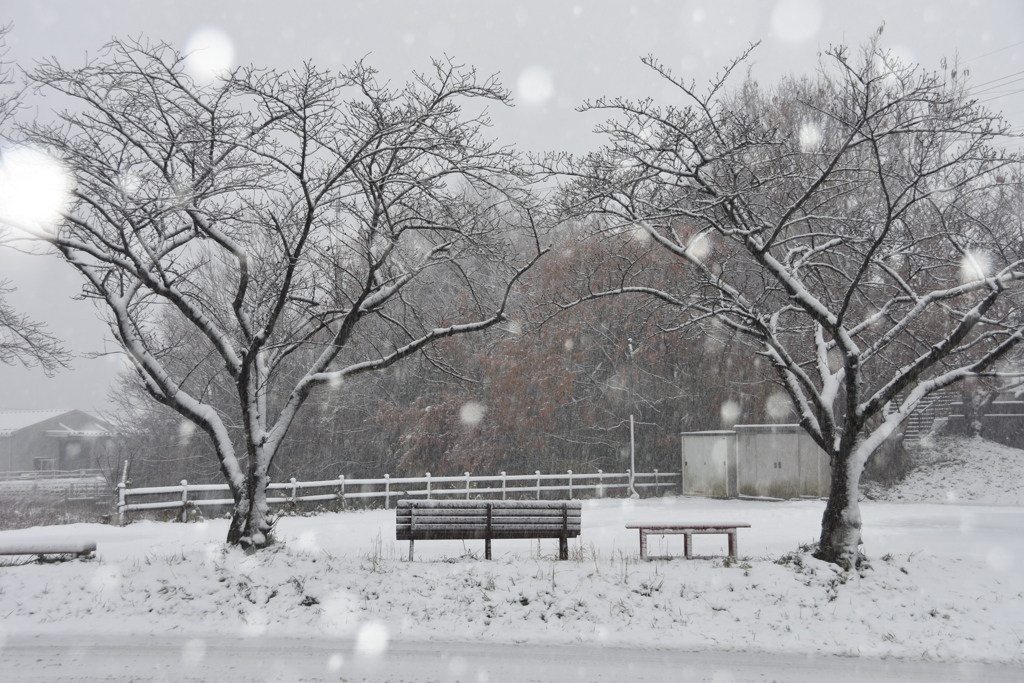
(552, 55)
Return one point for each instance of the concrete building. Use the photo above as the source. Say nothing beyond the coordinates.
(40, 440)
(763, 461)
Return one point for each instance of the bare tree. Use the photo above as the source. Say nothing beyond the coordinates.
(293, 224)
(22, 340)
(845, 224)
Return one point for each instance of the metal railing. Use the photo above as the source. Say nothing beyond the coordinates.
(186, 496)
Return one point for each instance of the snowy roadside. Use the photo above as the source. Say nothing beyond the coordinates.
(946, 583)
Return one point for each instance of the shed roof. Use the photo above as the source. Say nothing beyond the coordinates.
(15, 420)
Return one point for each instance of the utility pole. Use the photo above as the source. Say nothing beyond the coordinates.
(632, 440)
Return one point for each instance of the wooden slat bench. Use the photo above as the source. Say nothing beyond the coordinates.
(47, 547)
(423, 520)
(687, 530)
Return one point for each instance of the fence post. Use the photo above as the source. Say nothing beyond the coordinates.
(293, 491)
(428, 485)
(600, 483)
(570, 484)
(538, 484)
(387, 491)
(467, 485)
(184, 500)
(341, 489)
(629, 478)
(503, 486)
(120, 504)
(655, 481)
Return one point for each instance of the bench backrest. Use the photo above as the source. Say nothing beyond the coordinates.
(496, 519)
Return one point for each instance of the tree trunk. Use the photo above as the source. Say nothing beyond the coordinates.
(251, 522)
(841, 523)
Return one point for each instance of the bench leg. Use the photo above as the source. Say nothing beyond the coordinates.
(487, 548)
(563, 548)
(732, 544)
(643, 544)
(410, 549)
(687, 545)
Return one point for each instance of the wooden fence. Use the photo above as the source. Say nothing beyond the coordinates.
(341, 490)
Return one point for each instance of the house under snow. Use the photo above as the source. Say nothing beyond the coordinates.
(39, 440)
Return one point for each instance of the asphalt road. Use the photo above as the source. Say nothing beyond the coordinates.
(183, 659)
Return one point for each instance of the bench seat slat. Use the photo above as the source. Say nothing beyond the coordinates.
(482, 510)
(481, 534)
(482, 519)
(496, 504)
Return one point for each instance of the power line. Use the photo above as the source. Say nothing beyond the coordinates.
(989, 54)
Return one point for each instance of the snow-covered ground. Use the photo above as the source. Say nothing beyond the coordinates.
(958, 469)
(946, 583)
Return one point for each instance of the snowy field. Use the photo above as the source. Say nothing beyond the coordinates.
(945, 583)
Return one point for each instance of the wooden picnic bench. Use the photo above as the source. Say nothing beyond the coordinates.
(424, 520)
(688, 530)
(60, 547)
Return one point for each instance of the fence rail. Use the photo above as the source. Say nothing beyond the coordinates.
(387, 487)
(50, 474)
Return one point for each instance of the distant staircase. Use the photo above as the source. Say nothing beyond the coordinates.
(919, 423)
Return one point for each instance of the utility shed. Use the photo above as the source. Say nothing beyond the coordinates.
(763, 461)
(709, 464)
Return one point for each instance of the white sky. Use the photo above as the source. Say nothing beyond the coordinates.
(553, 55)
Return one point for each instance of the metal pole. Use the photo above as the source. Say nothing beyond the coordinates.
(428, 485)
(503, 486)
(632, 461)
(538, 484)
(387, 491)
(467, 485)
(570, 484)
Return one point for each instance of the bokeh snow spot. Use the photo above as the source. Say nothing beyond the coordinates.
(209, 55)
(730, 412)
(457, 666)
(256, 623)
(471, 413)
(335, 662)
(535, 85)
(340, 612)
(1000, 559)
(372, 639)
(129, 183)
(699, 247)
(35, 189)
(810, 138)
(974, 266)
(795, 21)
(569, 345)
(778, 406)
(307, 542)
(193, 652)
(106, 580)
(186, 429)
